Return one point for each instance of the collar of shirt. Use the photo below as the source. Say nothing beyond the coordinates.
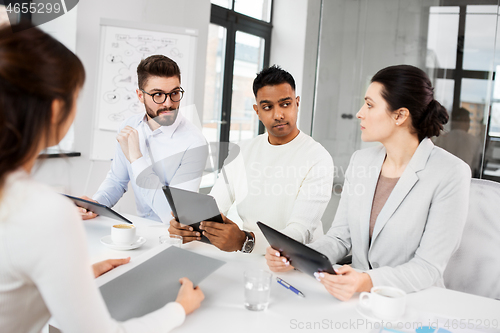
(167, 130)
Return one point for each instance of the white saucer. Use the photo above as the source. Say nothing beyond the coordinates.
(368, 314)
(139, 241)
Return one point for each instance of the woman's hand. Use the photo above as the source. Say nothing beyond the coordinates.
(276, 262)
(190, 298)
(105, 266)
(347, 282)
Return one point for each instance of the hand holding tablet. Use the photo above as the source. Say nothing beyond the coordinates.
(302, 257)
(276, 262)
(87, 214)
(185, 231)
(190, 209)
(97, 208)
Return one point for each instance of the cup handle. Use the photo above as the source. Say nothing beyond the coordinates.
(364, 299)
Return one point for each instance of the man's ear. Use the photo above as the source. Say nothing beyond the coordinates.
(140, 95)
(298, 100)
(256, 109)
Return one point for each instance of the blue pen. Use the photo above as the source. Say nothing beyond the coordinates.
(289, 287)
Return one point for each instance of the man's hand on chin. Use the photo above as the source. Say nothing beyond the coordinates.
(129, 142)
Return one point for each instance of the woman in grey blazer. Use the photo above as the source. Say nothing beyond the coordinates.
(404, 204)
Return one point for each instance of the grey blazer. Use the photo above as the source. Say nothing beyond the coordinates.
(417, 230)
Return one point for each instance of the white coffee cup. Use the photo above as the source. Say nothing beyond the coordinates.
(386, 303)
(123, 234)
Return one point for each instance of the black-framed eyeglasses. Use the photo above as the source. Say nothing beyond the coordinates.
(160, 97)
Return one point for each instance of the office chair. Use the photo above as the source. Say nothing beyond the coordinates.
(475, 267)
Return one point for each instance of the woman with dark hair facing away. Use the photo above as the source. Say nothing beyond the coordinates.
(404, 203)
(44, 265)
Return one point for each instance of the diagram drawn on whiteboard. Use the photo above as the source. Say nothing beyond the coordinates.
(121, 51)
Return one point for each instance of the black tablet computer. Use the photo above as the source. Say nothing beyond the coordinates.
(190, 208)
(301, 256)
(98, 208)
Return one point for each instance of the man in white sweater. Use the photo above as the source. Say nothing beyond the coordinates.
(282, 178)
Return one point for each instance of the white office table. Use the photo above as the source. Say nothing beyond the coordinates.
(223, 310)
(224, 295)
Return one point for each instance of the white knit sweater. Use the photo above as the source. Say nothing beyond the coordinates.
(284, 186)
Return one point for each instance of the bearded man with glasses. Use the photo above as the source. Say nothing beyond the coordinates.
(157, 148)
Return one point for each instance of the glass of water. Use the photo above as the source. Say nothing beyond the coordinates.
(174, 240)
(257, 289)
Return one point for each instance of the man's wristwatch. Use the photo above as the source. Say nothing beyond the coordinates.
(249, 243)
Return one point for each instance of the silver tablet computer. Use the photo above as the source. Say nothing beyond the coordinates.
(155, 282)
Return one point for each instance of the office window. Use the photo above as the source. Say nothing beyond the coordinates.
(259, 9)
(461, 52)
(213, 82)
(223, 3)
(443, 92)
(442, 38)
(457, 43)
(480, 29)
(238, 47)
(248, 60)
(494, 129)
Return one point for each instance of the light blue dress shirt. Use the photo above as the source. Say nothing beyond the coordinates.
(179, 155)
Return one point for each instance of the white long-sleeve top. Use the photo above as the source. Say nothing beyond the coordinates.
(284, 186)
(179, 153)
(45, 269)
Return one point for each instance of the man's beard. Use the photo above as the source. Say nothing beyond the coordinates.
(164, 119)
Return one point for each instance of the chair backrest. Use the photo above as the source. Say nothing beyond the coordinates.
(475, 267)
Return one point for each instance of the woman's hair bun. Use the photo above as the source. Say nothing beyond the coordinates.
(434, 119)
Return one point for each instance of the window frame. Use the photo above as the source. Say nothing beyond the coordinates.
(233, 22)
(459, 73)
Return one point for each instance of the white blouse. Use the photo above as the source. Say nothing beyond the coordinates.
(45, 269)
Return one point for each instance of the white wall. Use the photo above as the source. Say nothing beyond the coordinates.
(78, 175)
(310, 65)
(294, 46)
(288, 39)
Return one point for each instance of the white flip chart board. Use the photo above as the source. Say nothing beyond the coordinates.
(122, 46)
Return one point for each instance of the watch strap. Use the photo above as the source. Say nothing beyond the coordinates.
(249, 243)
